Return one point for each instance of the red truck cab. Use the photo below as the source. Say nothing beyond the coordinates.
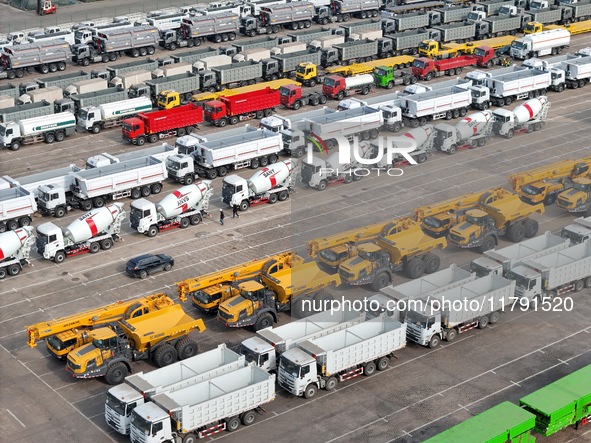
(214, 110)
(132, 128)
(47, 8)
(332, 85)
(485, 56)
(422, 66)
(289, 94)
(248, 105)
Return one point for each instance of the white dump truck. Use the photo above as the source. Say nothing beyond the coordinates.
(183, 207)
(140, 388)
(477, 303)
(17, 205)
(173, 69)
(527, 117)
(109, 115)
(548, 42)
(15, 248)
(211, 62)
(160, 152)
(505, 89)
(267, 346)
(577, 71)
(58, 177)
(471, 132)
(501, 261)
(450, 102)
(577, 232)
(49, 94)
(325, 361)
(135, 178)
(93, 231)
(269, 185)
(214, 405)
(85, 86)
(255, 54)
(554, 274)
(126, 80)
(49, 128)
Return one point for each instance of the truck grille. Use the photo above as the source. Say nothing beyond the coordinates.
(285, 383)
(344, 274)
(564, 203)
(412, 334)
(455, 238)
(73, 366)
(224, 315)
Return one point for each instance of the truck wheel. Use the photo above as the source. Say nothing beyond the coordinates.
(222, 122)
(489, 64)
(244, 205)
(60, 212)
(340, 95)
(190, 437)
(322, 185)
(432, 263)
(283, 196)
(2, 273)
(153, 138)
(579, 284)
(310, 391)
(516, 232)
(2, 227)
(106, 244)
(116, 373)
(434, 342)
(365, 90)
(145, 191)
(143, 52)
(150, 50)
(451, 335)
(12, 225)
(44, 69)
(510, 134)
(348, 179)
(248, 418)
(488, 244)
(173, 46)
(264, 321)
(195, 220)
(59, 257)
(156, 188)
(98, 202)
(312, 83)
(49, 137)
(396, 127)
(136, 193)
(52, 67)
(429, 76)
(211, 174)
(298, 152)
(531, 227)
(383, 363)
(422, 158)
(331, 384)
(95, 129)
(152, 231)
(11, 75)
(232, 424)
(165, 355)
(448, 115)
(272, 198)
(16, 269)
(588, 282)
(493, 317)
(94, 248)
(234, 120)
(15, 146)
(483, 322)
(113, 56)
(296, 105)
(380, 282)
(370, 369)
(141, 141)
(186, 348)
(105, 58)
(415, 268)
(254, 163)
(264, 161)
(85, 62)
(184, 223)
(135, 53)
(189, 179)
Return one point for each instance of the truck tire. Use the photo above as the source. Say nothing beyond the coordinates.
(415, 268)
(383, 363)
(365, 90)
(189, 179)
(94, 247)
(381, 281)
(141, 141)
(105, 58)
(369, 369)
(322, 185)
(493, 317)
(264, 321)
(310, 391)
(254, 163)
(44, 69)
(222, 171)
(24, 221)
(146, 191)
(489, 64)
(134, 53)
(143, 52)
(234, 120)
(579, 284)
(434, 342)
(113, 56)
(184, 223)
(195, 219)
(165, 355)
(483, 322)
(331, 384)
(232, 424)
(451, 335)
(86, 205)
(588, 282)
(153, 138)
(152, 231)
(136, 193)
(116, 373)
(340, 95)
(15, 146)
(190, 437)
(296, 105)
(172, 46)
(2, 273)
(95, 129)
(85, 62)
(298, 152)
(516, 232)
(312, 83)
(432, 262)
(106, 244)
(12, 225)
(186, 348)
(488, 243)
(60, 136)
(156, 188)
(248, 418)
(98, 202)
(150, 50)
(60, 212)
(49, 137)
(531, 227)
(59, 257)
(510, 133)
(273, 198)
(16, 269)
(244, 205)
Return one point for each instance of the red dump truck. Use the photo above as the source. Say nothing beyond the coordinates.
(234, 108)
(152, 126)
(425, 68)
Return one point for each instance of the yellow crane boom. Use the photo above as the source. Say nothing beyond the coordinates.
(399, 61)
(562, 169)
(273, 84)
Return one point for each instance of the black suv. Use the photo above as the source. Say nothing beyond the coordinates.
(146, 264)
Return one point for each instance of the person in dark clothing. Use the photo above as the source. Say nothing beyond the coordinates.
(235, 211)
(222, 216)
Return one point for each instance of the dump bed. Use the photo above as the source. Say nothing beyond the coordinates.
(195, 55)
(356, 49)
(307, 35)
(510, 208)
(90, 183)
(289, 62)
(264, 42)
(578, 68)
(60, 178)
(236, 72)
(408, 243)
(518, 82)
(23, 112)
(98, 98)
(454, 13)
(181, 83)
(408, 39)
(16, 202)
(203, 26)
(221, 397)
(300, 279)
(10, 90)
(357, 344)
(62, 80)
(437, 101)
(34, 54)
(179, 375)
(346, 123)
(137, 65)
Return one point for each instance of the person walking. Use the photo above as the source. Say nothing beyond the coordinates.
(222, 216)
(235, 211)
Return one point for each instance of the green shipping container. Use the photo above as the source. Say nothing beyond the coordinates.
(503, 423)
(563, 403)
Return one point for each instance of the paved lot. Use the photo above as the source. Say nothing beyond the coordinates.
(422, 393)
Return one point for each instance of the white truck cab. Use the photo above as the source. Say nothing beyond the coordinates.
(257, 350)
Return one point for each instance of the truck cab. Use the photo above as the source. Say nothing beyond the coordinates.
(528, 283)
(424, 326)
(290, 94)
(50, 240)
(363, 269)
(503, 121)
(181, 168)
(214, 110)
(150, 424)
(483, 266)
(92, 359)
(578, 198)
(307, 74)
(132, 128)
(52, 200)
(168, 99)
(120, 402)
(297, 370)
(235, 190)
(577, 232)
(480, 96)
(244, 310)
(143, 214)
(257, 350)
(472, 232)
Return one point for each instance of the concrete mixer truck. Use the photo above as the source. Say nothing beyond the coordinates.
(95, 230)
(265, 186)
(527, 117)
(184, 206)
(422, 137)
(15, 247)
(470, 132)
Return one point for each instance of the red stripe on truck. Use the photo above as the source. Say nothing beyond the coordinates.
(93, 229)
(529, 109)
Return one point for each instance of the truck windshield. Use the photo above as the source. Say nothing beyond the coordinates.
(328, 255)
(284, 92)
(209, 109)
(517, 45)
(301, 69)
(100, 343)
(416, 318)
(573, 236)
(136, 213)
(582, 187)
(173, 165)
(379, 72)
(477, 94)
(504, 10)
(424, 46)
(329, 82)
(228, 187)
(520, 281)
(479, 52)
(115, 404)
(364, 255)
(249, 354)
(433, 222)
(531, 190)
(480, 271)
(418, 64)
(141, 424)
(2, 130)
(126, 126)
(83, 114)
(474, 220)
(289, 367)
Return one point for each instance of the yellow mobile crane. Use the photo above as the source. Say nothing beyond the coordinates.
(574, 28)
(578, 198)
(400, 61)
(209, 290)
(67, 333)
(543, 184)
(273, 84)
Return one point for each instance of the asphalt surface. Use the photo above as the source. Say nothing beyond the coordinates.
(424, 392)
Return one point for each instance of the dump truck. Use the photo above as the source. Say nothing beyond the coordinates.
(49, 94)
(138, 389)
(406, 22)
(577, 71)
(325, 361)
(471, 132)
(337, 87)
(292, 97)
(309, 35)
(195, 55)
(209, 63)
(231, 76)
(128, 79)
(24, 112)
(425, 68)
(502, 261)
(507, 215)
(194, 31)
(62, 80)
(482, 301)
(349, 52)
(543, 184)
(448, 103)
(136, 178)
(17, 205)
(255, 54)
(457, 32)
(10, 90)
(153, 126)
(407, 42)
(326, 42)
(284, 65)
(81, 87)
(15, 250)
(137, 65)
(343, 10)
(553, 42)
(161, 152)
(289, 286)
(98, 98)
(240, 107)
(525, 118)
(67, 333)
(108, 45)
(408, 250)
(95, 230)
(32, 183)
(504, 89)
(555, 274)
(44, 57)
(498, 25)
(250, 147)
(185, 206)
(49, 128)
(578, 198)
(272, 18)
(206, 408)
(96, 118)
(168, 92)
(267, 346)
(578, 231)
(269, 185)
(161, 335)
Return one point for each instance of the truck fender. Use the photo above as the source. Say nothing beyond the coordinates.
(270, 311)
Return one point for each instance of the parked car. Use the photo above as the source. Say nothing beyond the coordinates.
(143, 265)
